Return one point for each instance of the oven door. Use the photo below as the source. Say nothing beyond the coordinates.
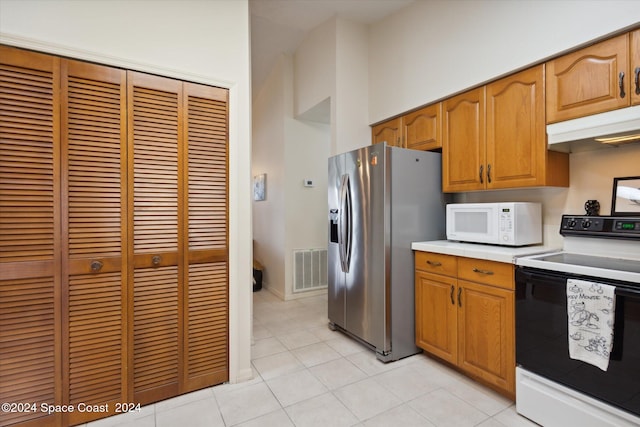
(542, 342)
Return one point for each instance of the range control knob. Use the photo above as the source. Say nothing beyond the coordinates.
(586, 223)
(572, 223)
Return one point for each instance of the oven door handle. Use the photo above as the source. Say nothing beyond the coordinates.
(547, 277)
(623, 292)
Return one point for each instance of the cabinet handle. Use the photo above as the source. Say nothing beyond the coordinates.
(637, 72)
(96, 266)
(156, 260)
(459, 297)
(621, 84)
(487, 272)
(489, 173)
(453, 302)
(481, 179)
(434, 263)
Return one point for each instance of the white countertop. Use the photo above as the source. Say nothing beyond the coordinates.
(481, 251)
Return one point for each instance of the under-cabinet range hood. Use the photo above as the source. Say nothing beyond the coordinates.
(608, 129)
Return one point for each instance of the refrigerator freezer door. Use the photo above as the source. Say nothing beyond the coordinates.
(336, 277)
(366, 282)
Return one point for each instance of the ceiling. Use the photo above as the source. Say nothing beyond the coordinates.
(279, 26)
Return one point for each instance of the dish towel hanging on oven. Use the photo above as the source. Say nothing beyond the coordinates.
(590, 312)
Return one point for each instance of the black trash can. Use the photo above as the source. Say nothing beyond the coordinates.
(257, 276)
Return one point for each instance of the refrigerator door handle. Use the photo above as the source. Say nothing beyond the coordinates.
(344, 233)
(349, 228)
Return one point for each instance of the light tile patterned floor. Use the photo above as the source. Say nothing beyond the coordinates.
(307, 375)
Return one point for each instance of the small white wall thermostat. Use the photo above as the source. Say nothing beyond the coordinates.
(308, 182)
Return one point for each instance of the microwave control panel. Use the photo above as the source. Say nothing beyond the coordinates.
(506, 225)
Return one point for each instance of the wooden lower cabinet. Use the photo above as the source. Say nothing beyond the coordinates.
(436, 315)
(113, 237)
(470, 325)
(486, 328)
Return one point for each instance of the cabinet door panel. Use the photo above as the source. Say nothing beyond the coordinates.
(94, 236)
(634, 68)
(486, 328)
(516, 131)
(586, 81)
(156, 216)
(422, 129)
(30, 339)
(463, 149)
(389, 131)
(436, 330)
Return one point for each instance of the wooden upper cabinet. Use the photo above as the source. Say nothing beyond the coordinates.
(463, 141)
(422, 129)
(389, 131)
(635, 66)
(516, 130)
(589, 80)
(418, 130)
(507, 146)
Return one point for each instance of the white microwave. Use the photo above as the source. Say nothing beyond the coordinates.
(509, 224)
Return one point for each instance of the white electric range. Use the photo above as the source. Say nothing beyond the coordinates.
(551, 388)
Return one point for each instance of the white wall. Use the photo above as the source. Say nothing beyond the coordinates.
(287, 150)
(202, 41)
(434, 48)
(591, 177)
(350, 123)
(306, 207)
(332, 62)
(326, 80)
(315, 68)
(269, 110)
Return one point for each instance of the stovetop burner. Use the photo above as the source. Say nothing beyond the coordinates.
(593, 261)
(596, 247)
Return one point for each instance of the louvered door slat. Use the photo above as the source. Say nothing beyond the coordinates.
(29, 193)
(207, 173)
(155, 133)
(206, 304)
(26, 170)
(207, 318)
(94, 232)
(154, 171)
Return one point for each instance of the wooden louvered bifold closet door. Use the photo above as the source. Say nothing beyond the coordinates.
(206, 297)
(113, 237)
(155, 217)
(29, 235)
(94, 237)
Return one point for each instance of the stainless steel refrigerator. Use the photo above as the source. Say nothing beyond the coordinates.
(381, 199)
